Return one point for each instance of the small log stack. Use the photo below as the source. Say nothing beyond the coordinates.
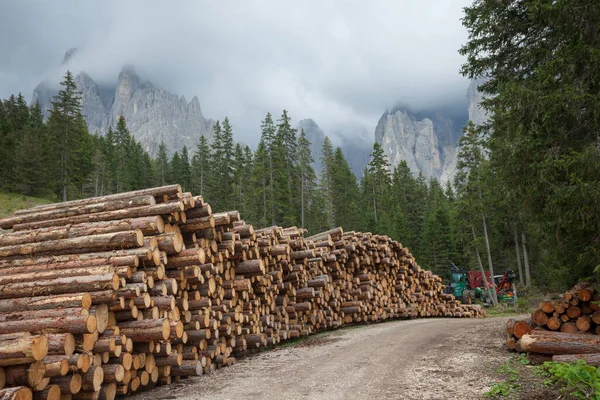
(111, 295)
(563, 330)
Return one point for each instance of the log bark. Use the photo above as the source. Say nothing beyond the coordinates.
(136, 212)
(73, 284)
(24, 350)
(72, 211)
(557, 343)
(16, 393)
(148, 225)
(84, 244)
(83, 300)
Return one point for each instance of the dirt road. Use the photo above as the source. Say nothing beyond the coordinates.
(417, 359)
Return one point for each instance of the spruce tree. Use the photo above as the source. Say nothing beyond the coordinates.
(30, 156)
(345, 193)
(308, 179)
(162, 165)
(201, 168)
(71, 158)
(186, 173)
(327, 179)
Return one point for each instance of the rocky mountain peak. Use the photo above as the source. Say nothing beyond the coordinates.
(153, 115)
(425, 140)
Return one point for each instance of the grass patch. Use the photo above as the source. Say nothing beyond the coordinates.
(518, 379)
(11, 202)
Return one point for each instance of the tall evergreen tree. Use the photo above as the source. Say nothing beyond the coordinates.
(31, 155)
(345, 193)
(308, 178)
(376, 184)
(201, 167)
(71, 160)
(186, 171)
(162, 165)
(327, 181)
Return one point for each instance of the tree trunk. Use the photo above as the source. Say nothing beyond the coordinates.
(549, 342)
(489, 255)
(521, 277)
(16, 393)
(485, 281)
(526, 259)
(84, 244)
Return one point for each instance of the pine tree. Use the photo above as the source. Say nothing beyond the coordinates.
(30, 155)
(162, 165)
(201, 168)
(268, 131)
(260, 204)
(175, 169)
(308, 179)
(376, 186)
(327, 179)
(71, 160)
(242, 162)
(345, 192)
(122, 153)
(186, 173)
(284, 163)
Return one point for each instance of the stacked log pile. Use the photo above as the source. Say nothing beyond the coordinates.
(110, 295)
(561, 330)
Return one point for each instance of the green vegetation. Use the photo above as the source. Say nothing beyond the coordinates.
(579, 380)
(540, 64)
(576, 380)
(11, 202)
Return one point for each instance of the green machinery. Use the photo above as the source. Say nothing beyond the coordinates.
(468, 285)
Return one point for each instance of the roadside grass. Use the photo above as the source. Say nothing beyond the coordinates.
(528, 298)
(11, 202)
(518, 379)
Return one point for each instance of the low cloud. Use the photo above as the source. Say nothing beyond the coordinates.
(341, 63)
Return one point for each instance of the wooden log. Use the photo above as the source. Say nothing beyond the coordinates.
(92, 379)
(136, 212)
(84, 244)
(549, 342)
(69, 323)
(539, 317)
(146, 330)
(70, 384)
(72, 211)
(16, 393)
(72, 300)
(153, 225)
(23, 350)
(25, 375)
(72, 284)
(49, 274)
(250, 267)
(170, 191)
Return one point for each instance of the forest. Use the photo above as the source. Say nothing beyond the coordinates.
(526, 195)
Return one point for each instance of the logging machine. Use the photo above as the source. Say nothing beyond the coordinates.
(469, 285)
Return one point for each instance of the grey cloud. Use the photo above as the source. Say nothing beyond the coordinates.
(339, 62)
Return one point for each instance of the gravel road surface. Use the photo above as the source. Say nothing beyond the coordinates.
(415, 359)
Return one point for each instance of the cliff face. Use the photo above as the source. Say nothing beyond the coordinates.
(153, 115)
(427, 144)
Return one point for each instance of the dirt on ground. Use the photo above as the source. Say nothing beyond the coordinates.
(412, 360)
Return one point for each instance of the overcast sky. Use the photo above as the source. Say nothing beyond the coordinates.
(338, 62)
